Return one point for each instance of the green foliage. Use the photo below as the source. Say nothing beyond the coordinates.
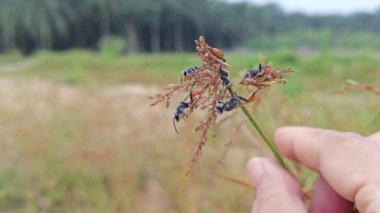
(167, 25)
(97, 146)
(317, 40)
(85, 67)
(112, 46)
(40, 21)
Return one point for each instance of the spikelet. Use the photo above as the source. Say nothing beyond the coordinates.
(353, 85)
(208, 88)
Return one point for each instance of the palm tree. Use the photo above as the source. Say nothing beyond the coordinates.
(155, 9)
(40, 20)
(177, 10)
(132, 11)
(181, 10)
(105, 9)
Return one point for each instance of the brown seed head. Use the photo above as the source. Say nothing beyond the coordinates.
(207, 87)
(265, 77)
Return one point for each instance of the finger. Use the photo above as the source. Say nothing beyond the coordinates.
(325, 199)
(349, 162)
(303, 144)
(375, 137)
(276, 190)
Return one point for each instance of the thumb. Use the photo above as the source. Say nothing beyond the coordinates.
(276, 190)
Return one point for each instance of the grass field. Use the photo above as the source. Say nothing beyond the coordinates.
(77, 133)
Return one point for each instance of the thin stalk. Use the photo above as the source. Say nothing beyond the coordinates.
(256, 126)
(270, 144)
(364, 129)
(232, 180)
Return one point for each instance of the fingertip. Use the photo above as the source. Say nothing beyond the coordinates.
(276, 189)
(255, 169)
(283, 138)
(301, 144)
(280, 133)
(284, 135)
(275, 172)
(262, 168)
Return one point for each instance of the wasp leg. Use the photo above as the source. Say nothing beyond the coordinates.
(175, 128)
(254, 96)
(241, 98)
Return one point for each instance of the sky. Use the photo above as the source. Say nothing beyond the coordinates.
(343, 7)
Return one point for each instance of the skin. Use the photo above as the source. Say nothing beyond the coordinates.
(348, 164)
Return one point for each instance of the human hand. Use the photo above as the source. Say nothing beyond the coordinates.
(349, 164)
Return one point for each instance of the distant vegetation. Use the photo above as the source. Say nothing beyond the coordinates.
(172, 25)
(78, 135)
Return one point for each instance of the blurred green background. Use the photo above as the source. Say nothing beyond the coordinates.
(76, 130)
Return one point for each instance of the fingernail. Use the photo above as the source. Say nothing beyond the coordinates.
(255, 169)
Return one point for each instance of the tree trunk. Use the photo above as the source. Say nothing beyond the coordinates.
(132, 37)
(9, 40)
(178, 35)
(167, 38)
(105, 26)
(45, 43)
(155, 37)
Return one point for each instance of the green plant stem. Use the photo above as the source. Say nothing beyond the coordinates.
(256, 125)
(364, 129)
(263, 136)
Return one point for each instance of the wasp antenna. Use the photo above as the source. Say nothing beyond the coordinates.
(175, 128)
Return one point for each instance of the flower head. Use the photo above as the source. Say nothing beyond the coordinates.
(353, 85)
(208, 88)
(265, 76)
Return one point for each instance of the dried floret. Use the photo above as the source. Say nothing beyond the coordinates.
(353, 85)
(264, 76)
(209, 89)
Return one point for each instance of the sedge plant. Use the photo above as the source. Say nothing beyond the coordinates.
(207, 87)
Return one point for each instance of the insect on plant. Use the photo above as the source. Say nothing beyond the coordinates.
(224, 77)
(218, 53)
(181, 109)
(210, 90)
(230, 104)
(189, 71)
(254, 73)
